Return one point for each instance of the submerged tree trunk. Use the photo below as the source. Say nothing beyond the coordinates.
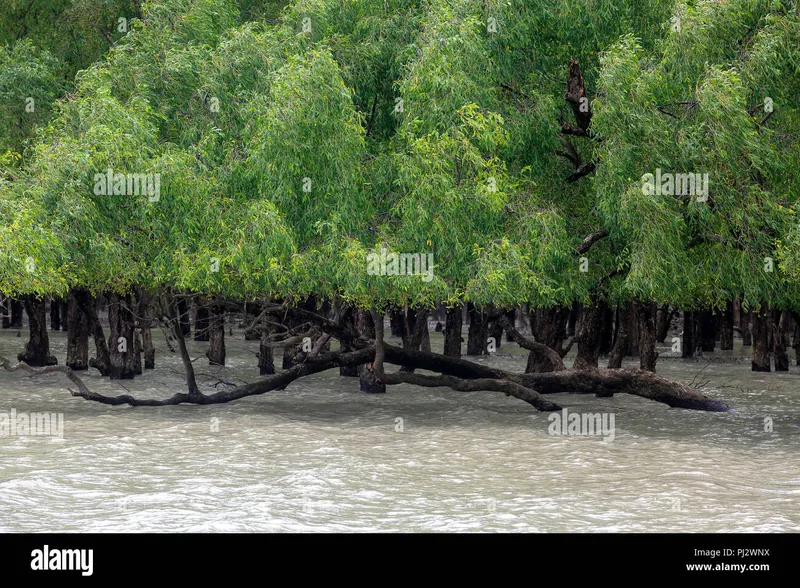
(572, 319)
(647, 336)
(349, 371)
(216, 347)
(16, 314)
(760, 326)
(747, 329)
(588, 336)
(144, 312)
(121, 341)
(55, 314)
(397, 322)
(478, 329)
(452, 332)
(726, 328)
(708, 330)
(201, 320)
(368, 380)
(780, 338)
(183, 317)
(621, 340)
(37, 350)
(607, 335)
(77, 336)
(687, 342)
(550, 327)
(87, 304)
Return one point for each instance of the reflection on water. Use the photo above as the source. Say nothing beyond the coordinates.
(320, 456)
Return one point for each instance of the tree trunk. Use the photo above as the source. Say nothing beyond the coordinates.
(121, 341)
(397, 322)
(266, 360)
(796, 338)
(16, 314)
(87, 304)
(572, 318)
(632, 316)
(201, 320)
(663, 322)
(216, 347)
(37, 350)
(550, 327)
(452, 332)
(477, 333)
(144, 312)
(55, 314)
(5, 309)
(760, 326)
(621, 339)
(367, 379)
(726, 328)
(687, 347)
(780, 338)
(183, 317)
(747, 329)
(607, 335)
(648, 355)
(77, 336)
(349, 371)
(708, 330)
(588, 336)
(496, 332)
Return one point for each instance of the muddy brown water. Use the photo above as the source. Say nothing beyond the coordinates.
(320, 456)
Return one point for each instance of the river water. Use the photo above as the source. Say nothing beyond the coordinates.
(321, 456)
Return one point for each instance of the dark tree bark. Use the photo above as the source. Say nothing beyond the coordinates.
(663, 322)
(16, 314)
(64, 310)
(77, 336)
(687, 342)
(632, 316)
(747, 329)
(780, 337)
(145, 321)
(495, 331)
(708, 330)
(621, 339)
(349, 371)
(760, 326)
(572, 319)
(607, 334)
(478, 330)
(37, 350)
(183, 317)
(87, 304)
(551, 327)
(647, 336)
(796, 337)
(121, 342)
(371, 326)
(397, 322)
(55, 314)
(589, 335)
(202, 320)
(726, 328)
(216, 347)
(452, 332)
(5, 310)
